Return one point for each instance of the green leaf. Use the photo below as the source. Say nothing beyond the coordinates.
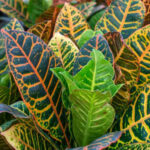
(16, 9)
(86, 8)
(102, 142)
(92, 115)
(35, 11)
(124, 16)
(97, 75)
(65, 49)
(95, 17)
(86, 36)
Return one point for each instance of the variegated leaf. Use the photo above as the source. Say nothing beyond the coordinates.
(98, 42)
(16, 9)
(65, 49)
(12, 25)
(135, 122)
(124, 16)
(30, 61)
(43, 30)
(86, 8)
(70, 22)
(136, 146)
(139, 42)
(129, 66)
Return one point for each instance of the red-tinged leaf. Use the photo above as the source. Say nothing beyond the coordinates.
(129, 67)
(43, 30)
(102, 142)
(147, 14)
(50, 14)
(30, 61)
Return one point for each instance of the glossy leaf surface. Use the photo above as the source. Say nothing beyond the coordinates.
(22, 136)
(129, 67)
(97, 75)
(92, 115)
(70, 22)
(139, 42)
(86, 8)
(136, 119)
(65, 49)
(30, 60)
(43, 30)
(98, 42)
(12, 25)
(102, 142)
(16, 9)
(137, 146)
(119, 17)
(86, 36)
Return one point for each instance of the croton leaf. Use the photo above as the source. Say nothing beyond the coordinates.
(135, 122)
(70, 22)
(29, 60)
(23, 121)
(95, 17)
(98, 42)
(124, 16)
(139, 42)
(147, 14)
(92, 115)
(102, 142)
(65, 49)
(43, 30)
(16, 9)
(8, 92)
(86, 36)
(129, 66)
(123, 57)
(3, 144)
(49, 14)
(97, 75)
(137, 146)
(86, 8)
(23, 136)
(12, 25)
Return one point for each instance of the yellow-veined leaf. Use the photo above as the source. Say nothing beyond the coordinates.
(30, 61)
(135, 121)
(71, 22)
(16, 9)
(43, 30)
(124, 16)
(65, 49)
(139, 42)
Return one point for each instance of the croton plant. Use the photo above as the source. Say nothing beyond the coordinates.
(75, 75)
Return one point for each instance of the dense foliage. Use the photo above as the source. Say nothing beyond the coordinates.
(75, 75)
